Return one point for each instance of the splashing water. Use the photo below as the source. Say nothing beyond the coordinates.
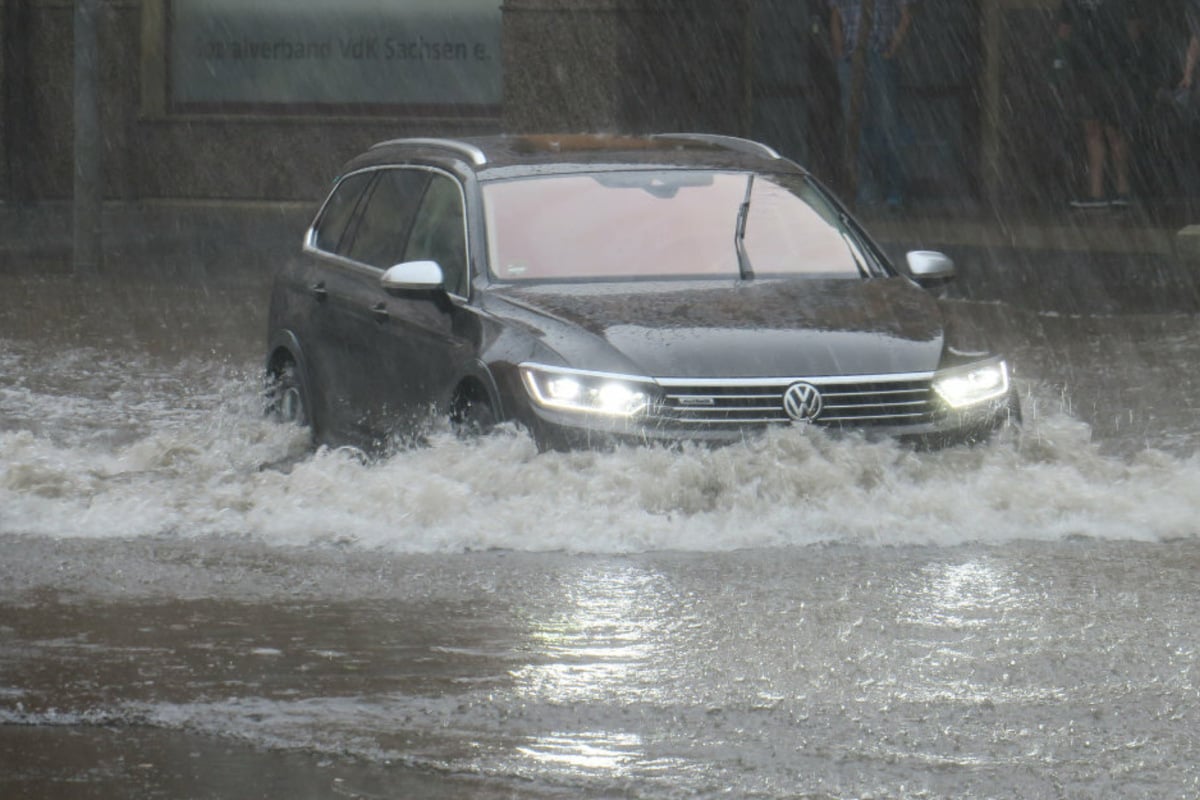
(101, 444)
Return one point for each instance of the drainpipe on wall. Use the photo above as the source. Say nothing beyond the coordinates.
(89, 197)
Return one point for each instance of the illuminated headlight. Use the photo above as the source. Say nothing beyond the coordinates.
(587, 392)
(978, 383)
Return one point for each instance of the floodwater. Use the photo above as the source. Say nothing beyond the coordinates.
(797, 617)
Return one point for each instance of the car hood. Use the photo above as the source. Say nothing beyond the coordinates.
(765, 328)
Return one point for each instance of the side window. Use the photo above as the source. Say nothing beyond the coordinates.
(337, 211)
(384, 222)
(438, 233)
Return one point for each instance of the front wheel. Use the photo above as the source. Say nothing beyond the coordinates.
(287, 397)
(471, 417)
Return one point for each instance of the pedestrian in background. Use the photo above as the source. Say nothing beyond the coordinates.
(1099, 40)
(867, 38)
(1193, 51)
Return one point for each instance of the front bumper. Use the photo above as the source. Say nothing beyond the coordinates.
(559, 430)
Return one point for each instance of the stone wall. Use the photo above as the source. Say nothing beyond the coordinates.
(627, 65)
(976, 81)
(150, 154)
(624, 65)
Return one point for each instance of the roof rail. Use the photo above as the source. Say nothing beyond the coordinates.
(477, 156)
(737, 143)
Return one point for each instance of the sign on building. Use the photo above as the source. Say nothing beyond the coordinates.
(427, 57)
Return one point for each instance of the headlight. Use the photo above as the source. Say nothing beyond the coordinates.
(977, 383)
(587, 392)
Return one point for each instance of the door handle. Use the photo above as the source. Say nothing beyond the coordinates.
(381, 313)
(319, 291)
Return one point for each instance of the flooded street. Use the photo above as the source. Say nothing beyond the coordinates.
(192, 606)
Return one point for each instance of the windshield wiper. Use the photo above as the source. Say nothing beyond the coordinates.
(739, 236)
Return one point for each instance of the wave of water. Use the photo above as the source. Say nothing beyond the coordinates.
(97, 444)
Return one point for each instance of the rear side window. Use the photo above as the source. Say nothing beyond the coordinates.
(383, 224)
(338, 210)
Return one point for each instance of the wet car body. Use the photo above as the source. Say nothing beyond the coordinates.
(473, 278)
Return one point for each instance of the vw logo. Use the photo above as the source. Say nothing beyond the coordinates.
(802, 402)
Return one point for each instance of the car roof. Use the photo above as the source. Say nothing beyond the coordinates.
(501, 156)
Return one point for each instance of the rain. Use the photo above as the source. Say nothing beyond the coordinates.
(197, 603)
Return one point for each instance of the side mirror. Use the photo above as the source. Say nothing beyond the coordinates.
(929, 267)
(413, 276)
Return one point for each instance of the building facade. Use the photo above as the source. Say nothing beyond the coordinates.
(218, 100)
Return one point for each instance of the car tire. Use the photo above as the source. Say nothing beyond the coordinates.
(287, 396)
(471, 417)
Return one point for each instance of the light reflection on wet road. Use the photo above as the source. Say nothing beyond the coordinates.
(824, 671)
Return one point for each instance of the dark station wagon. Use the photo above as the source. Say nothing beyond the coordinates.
(595, 289)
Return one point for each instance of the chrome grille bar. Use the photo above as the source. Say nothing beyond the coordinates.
(863, 400)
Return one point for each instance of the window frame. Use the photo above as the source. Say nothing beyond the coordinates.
(315, 233)
(310, 240)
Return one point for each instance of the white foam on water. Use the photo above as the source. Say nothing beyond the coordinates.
(136, 449)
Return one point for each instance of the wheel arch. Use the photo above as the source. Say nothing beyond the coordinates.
(477, 383)
(283, 347)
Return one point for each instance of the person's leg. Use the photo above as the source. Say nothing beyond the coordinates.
(877, 165)
(851, 153)
(1118, 148)
(888, 124)
(845, 78)
(870, 152)
(1089, 96)
(1093, 133)
(1120, 112)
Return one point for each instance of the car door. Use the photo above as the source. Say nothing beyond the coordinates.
(431, 336)
(312, 317)
(352, 315)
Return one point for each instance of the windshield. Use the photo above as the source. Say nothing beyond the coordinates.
(664, 223)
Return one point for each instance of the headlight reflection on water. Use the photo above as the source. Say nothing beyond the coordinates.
(946, 610)
(599, 643)
(958, 595)
(587, 751)
(598, 647)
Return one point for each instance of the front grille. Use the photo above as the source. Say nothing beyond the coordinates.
(876, 400)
